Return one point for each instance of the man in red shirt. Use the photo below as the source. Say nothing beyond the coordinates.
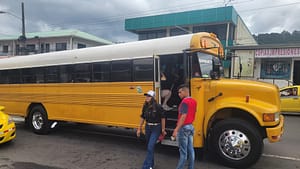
(184, 129)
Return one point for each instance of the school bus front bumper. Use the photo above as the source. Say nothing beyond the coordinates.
(274, 134)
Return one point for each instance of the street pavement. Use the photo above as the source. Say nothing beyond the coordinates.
(80, 146)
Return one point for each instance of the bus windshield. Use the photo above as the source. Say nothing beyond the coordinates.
(206, 64)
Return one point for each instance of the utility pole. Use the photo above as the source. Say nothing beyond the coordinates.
(23, 37)
(23, 21)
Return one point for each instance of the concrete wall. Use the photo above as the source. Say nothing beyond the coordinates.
(71, 42)
(242, 35)
(246, 57)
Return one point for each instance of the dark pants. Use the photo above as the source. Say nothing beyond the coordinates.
(152, 134)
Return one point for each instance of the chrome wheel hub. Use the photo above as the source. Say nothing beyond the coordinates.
(37, 120)
(234, 144)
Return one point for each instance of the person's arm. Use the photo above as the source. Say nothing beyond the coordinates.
(183, 111)
(138, 132)
(179, 125)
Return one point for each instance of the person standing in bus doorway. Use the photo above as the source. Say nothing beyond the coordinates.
(184, 130)
(166, 90)
(154, 116)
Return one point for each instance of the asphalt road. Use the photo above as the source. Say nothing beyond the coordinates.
(77, 146)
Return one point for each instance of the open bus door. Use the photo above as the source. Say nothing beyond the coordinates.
(156, 76)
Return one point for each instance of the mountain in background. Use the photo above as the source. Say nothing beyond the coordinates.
(284, 37)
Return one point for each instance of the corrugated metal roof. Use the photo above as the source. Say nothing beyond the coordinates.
(204, 16)
(59, 33)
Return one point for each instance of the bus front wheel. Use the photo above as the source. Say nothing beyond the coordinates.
(236, 143)
(38, 120)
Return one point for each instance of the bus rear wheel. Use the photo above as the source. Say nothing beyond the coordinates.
(236, 143)
(38, 120)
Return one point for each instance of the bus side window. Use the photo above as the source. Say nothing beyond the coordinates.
(28, 75)
(195, 67)
(143, 69)
(3, 77)
(39, 75)
(14, 76)
(101, 72)
(121, 71)
(65, 74)
(82, 72)
(52, 74)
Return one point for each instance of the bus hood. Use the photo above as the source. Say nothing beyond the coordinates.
(259, 94)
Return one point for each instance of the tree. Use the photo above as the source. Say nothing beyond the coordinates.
(284, 37)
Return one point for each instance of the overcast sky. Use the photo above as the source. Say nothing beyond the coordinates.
(105, 18)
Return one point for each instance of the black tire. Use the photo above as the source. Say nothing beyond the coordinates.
(38, 120)
(236, 143)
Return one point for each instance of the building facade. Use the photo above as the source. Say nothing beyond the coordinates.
(42, 42)
(277, 64)
(224, 22)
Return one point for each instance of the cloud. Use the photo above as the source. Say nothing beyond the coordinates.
(106, 18)
(265, 17)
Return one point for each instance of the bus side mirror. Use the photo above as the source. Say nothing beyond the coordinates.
(216, 70)
(214, 75)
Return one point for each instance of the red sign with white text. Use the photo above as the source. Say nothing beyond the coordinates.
(277, 52)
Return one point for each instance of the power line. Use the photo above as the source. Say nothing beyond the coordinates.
(268, 7)
(175, 8)
(121, 18)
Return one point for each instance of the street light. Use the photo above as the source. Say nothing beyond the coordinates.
(22, 38)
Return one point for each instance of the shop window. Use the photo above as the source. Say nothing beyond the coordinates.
(61, 46)
(5, 49)
(275, 69)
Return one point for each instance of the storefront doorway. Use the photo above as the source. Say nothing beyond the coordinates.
(296, 74)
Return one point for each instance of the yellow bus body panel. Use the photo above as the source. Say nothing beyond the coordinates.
(231, 98)
(116, 104)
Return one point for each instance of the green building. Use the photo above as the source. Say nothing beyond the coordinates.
(225, 22)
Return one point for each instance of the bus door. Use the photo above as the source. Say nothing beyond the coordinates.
(156, 76)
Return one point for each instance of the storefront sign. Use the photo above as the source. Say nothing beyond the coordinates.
(282, 52)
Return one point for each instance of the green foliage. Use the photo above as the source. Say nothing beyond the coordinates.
(284, 37)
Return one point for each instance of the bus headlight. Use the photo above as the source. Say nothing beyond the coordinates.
(271, 117)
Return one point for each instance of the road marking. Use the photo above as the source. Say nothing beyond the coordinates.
(281, 157)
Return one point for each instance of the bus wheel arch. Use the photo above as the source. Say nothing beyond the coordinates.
(37, 118)
(237, 113)
(235, 140)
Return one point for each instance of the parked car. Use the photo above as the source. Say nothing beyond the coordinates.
(290, 101)
(7, 127)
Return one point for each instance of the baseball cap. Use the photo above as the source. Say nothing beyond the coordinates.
(150, 93)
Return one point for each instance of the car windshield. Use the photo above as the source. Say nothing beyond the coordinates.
(289, 92)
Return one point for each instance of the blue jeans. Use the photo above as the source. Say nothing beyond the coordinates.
(152, 134)
(186, 148)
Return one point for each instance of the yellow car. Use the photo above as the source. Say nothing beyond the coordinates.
(7, 127)
(290, 101)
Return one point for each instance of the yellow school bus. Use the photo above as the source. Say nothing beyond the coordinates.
(104, 85)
